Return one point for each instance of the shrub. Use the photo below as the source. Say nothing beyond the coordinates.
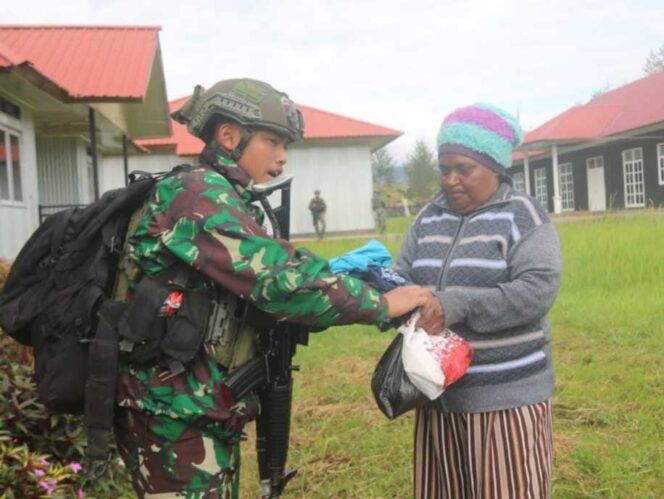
(4, 271)
(40, 452)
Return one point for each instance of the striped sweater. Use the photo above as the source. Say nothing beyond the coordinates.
(497, 272)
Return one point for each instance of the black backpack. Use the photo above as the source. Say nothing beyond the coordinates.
(57, 299)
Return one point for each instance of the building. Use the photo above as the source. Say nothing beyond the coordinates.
(608, 153)
(334, 157)
(69, 97)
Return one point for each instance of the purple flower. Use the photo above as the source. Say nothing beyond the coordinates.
(75, 467)
(39, 472)
(43, 461)
(48, 485)
(80, 494)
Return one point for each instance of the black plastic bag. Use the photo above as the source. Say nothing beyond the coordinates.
(393, 391)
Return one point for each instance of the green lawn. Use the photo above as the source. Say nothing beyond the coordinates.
(608, 329)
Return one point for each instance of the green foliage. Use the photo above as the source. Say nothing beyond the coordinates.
(24, 473)
(40, 452)
(422, 173)
(382, 166)
(655, 61)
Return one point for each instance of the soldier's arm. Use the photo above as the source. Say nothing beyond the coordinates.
(224, 243)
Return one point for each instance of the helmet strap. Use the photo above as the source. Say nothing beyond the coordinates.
(236, 153)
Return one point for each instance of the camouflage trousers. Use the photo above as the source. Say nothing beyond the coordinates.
(170, 458)
(319, 224)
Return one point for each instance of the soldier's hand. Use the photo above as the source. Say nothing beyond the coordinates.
(403, 299)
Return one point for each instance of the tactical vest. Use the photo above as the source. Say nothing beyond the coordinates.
(172, 314)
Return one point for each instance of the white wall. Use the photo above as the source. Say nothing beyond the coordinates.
(57, 167)
(111, 174)
(343, 175)
(341, 172)
(19, 220)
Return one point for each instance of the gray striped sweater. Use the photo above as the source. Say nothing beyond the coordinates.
(497, 272)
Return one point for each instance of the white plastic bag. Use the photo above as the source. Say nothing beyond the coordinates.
(433, 362)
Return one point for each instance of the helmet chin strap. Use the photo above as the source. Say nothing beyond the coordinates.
(236, 153)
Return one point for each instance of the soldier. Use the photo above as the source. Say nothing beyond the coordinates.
(318, 208)
(179, 432)
(380, 213)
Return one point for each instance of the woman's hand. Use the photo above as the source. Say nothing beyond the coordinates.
(403, 299)
(432, 316)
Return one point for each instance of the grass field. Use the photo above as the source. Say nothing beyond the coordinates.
(608, 330)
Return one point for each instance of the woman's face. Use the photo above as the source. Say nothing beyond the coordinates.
(466, 183)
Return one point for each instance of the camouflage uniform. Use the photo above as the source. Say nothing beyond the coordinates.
(318, 208)
(182, 432)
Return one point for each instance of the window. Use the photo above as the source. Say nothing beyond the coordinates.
(541, 193)
(596, 162)
(10, 108)
(633, 172)
(566, 178)
(519, 182)
(660, 162)
(11, 188)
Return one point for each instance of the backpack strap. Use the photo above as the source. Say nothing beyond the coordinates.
(100, 388)
(127, 270)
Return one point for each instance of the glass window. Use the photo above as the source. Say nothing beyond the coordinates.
(541, 192)
(16, 167)
(519, 182)
(633, 174)
(11, 187)
(596, 162)
(566, 186)
(660, 162)
(4, 167)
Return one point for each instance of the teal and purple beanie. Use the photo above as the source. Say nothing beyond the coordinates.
(482, 132)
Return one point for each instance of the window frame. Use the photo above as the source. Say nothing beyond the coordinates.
(564, 195)
(594, 161)
(631, 163)
(9, 133)
(541, 181)
(522, 181)
(660, 162)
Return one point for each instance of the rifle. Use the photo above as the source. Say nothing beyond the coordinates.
(271, 372)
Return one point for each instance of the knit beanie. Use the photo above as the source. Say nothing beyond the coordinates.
(482, 132)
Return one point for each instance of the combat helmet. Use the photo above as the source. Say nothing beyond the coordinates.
(251, 103)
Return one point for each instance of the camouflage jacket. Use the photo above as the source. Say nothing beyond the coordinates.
(317, 205)
(203, 217)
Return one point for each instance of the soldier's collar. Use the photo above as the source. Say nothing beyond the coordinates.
(214, 156)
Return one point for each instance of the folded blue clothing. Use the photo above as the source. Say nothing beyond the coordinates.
(381, 278)
(372, 253)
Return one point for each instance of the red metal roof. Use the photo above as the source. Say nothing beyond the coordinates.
(632, 106)
(317, 125)
(320, 124)
(88, 62)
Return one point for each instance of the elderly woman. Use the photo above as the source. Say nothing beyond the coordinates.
(492, 259)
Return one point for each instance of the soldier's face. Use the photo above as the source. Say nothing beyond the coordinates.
(265, 156)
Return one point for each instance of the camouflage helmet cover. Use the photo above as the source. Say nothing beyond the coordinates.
(251, 103)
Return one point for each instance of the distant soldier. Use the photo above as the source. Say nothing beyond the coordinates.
(380, 213)
(318, 208)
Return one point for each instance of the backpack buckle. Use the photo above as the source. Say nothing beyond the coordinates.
(114, 245)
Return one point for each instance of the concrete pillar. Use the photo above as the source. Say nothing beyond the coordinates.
(557, 203)
(92, 125)
(526, 171)
(125, 159)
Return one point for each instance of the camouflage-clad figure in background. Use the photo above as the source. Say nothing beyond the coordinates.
(179, 433)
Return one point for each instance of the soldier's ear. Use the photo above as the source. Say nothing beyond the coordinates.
(228, 135)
